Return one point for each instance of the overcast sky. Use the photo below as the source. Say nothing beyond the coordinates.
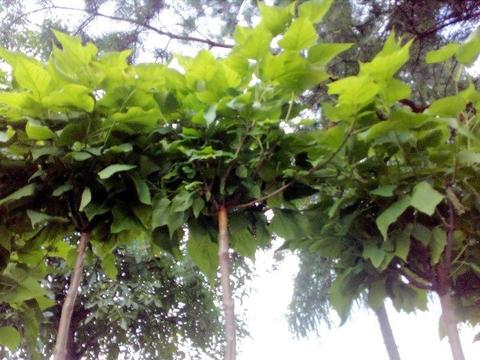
(360, 338)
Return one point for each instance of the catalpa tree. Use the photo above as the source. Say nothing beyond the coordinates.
(398, 219)
(112, 153)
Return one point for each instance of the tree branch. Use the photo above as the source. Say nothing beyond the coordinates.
(147, 26)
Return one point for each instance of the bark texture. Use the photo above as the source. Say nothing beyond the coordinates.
(61, 345)
(387, 333)
(450, 323)
(227, 299)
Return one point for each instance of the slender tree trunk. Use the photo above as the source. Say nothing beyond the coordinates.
(228, 304)
(387, 333)
(61, 349)
(450, 323)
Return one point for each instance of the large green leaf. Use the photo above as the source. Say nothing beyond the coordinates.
(276, 18)
(391, 214)
(374, 254)
(322, 54)
(300, 35)
(70, 95)
(113, 169)
(36, 131)
(439, 240)
(25, 191)
(468, 52)
(425, 198)
(315, 10)
(32, 76)
(202, 250)
(85, 199)
(442, 54)
(242, 239)
(9, 337)
(143, 192)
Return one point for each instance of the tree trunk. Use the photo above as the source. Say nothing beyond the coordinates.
(228, 304)
(450, 323)
(387, 333)
(61, 349)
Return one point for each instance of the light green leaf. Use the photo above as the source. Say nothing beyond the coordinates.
(322, 54)
(402, 243)
(354, 90)
(161, 210)
(142, 189)
(448, 106)
(93, 210)
(276, 18)
(374, 253)
(442, 54)
(113, 169)
(182, 201)
(468, 52)
(62, 189)
(71, 95)
(25, 191)
(86, 198)
(300, 35)
(315, 10)
(32, 76)
(37, 217)
(109, 266)
(198, 205)
(385, 190)
(9, 337)
(437, 245)
(391, 214)
(242, 239)
(37, 131)
(425, 198)
(202, 250)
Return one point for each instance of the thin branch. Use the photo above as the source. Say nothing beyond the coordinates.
(414, 281)
(209, 42)
(263, 198)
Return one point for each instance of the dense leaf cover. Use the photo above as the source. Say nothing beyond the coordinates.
(148, 154)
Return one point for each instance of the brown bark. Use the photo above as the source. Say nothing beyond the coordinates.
(449, 320)
(387, 333)
(227, 299)
(61, 349)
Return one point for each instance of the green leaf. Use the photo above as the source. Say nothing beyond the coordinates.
(442, 54)
(143, 192)
(9, 337)
(468, 52)
(384, 191)
(437, 245)
(391, 214)
(288, 224)
(354, 90)
(374, 253)
(315, 10)
(122, 220)
(322, 54)
(62, 189)
(197, 207)
(241, 171)
(36, 131)
(32, 76)
(86, 198)
(300, 35)
(161, 211)
(182, 201)
(25, 191)
(70, 95)
(113, 169)
(242, 239)
(93, 210)
(402, 243)
(275, 18)
(448, 106)
(422, 234)
(109, 266)
(202, 250)
(37, 217)
(425, 198)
